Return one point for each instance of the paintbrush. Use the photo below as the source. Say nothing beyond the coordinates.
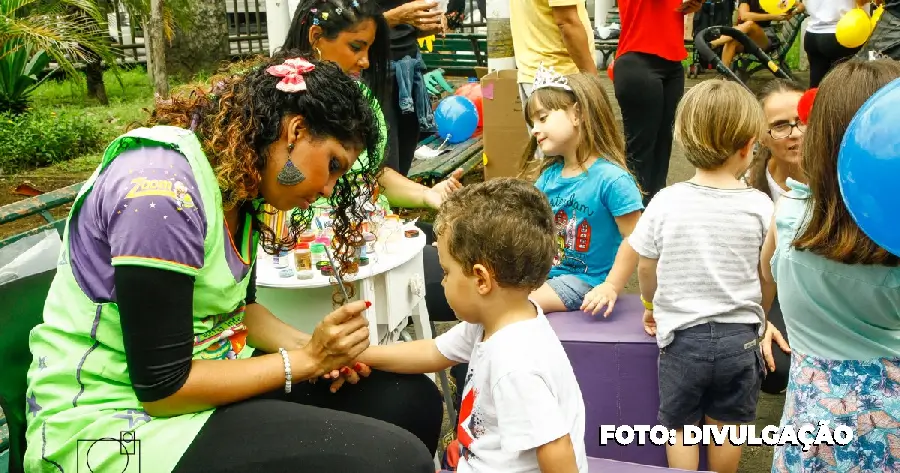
(337, 275)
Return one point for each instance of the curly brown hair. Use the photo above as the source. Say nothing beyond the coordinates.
(505, 224)
(239, 113)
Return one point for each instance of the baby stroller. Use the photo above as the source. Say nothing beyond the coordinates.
(703, 38)
(712, 13)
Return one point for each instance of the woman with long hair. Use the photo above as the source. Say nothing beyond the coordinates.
(840, 295)
(151, 329)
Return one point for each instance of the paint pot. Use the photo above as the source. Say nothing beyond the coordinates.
(281, 260)
(318, 255)
(370, 242)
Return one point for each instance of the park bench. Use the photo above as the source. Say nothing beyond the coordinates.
(609, 46)
(458, 54)
(465, 155)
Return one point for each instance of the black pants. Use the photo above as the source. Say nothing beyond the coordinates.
(824, 52)
(403, 133)
(648, 89)
(386, 423)
(776, 381)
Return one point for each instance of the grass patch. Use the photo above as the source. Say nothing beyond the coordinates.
(42, 137)
(127, 100)
(66, 130)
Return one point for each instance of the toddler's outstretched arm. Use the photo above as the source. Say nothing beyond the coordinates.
(557, 456)
(417, 357)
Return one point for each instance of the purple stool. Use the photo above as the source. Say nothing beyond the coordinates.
(615, 362)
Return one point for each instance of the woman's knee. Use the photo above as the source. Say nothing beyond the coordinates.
(420, 393)
(402, 396)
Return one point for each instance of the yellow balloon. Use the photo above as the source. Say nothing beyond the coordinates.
(854, 28)
(876, 15)
(776, 7)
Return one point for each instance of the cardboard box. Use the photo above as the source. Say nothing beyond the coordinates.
(505, 132)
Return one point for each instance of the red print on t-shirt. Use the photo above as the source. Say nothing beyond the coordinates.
(465, 415)
(583, 237)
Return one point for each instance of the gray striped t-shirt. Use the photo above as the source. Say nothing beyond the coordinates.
(707, 242)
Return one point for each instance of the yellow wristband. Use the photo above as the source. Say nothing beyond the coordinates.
(647, 305)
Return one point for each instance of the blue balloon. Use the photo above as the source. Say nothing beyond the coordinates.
(456, 117)
(869, 167)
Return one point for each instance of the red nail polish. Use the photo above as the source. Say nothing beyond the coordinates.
(357, 367)
(345, 370)
(368, 304)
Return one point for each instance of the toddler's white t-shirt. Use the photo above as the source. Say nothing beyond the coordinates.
(520, 393)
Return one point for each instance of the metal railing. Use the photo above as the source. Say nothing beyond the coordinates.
(247, 28)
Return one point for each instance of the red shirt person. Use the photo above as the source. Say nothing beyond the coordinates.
(649, 83)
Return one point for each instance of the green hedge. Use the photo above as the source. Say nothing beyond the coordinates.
(43, 137)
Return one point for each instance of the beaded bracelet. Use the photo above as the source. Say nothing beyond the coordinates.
(287, 369)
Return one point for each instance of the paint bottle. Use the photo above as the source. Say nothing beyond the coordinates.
(370, 242)
(281, 260)
(303, 257)
(317, 255)
(307, 237)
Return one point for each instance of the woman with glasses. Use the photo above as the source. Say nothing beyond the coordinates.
(779, 155)
(777, 160)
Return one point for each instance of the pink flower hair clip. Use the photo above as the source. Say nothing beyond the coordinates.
(291, 72)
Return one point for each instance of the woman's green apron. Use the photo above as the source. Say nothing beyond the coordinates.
(79, 390)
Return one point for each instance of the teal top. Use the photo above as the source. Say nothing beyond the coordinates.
(832, 310)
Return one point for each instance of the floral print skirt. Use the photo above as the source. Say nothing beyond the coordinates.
(862, 395)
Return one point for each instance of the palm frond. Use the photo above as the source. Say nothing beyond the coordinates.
(66, 38)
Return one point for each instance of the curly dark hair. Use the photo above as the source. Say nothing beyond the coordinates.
(505, 224)
(240, 115)
(351, 13)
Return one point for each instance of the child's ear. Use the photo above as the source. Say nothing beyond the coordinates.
(576, 115)
(483, 282)
(749, 149)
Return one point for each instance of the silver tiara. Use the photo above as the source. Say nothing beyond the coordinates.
(547, 77)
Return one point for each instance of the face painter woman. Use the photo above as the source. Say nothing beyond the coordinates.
(151, 331)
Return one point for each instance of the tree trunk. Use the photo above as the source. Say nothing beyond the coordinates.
(203, 45)
(158, 50)
(94, 76)
(499, 37)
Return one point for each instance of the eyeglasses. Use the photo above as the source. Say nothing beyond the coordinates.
(783, 130)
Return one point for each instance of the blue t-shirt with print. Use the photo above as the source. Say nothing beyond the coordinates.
(585, 207)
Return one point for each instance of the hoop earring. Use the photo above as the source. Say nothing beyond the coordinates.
(318, 54)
